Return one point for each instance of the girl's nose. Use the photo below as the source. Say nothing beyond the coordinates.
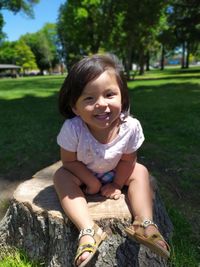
(101, 102)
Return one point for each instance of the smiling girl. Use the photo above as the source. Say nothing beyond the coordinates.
(99, 142)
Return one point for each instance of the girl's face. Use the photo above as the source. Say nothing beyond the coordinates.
(99, 105)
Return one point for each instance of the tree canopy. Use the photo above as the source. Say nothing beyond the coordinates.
(134, 30)
(25, 6)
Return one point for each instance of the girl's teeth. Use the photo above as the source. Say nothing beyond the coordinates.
(102, 116)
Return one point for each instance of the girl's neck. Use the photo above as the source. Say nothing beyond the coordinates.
(107, 135)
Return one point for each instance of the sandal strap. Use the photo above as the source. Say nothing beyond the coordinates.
(159, 237)
(86, 231)
(148, 222)
(95, 232)
(85, 247)
(145, 223)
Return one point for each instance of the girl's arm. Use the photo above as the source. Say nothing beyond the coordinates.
(124, 170)
(70, 163)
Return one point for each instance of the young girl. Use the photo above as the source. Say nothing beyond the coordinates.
(99, 142)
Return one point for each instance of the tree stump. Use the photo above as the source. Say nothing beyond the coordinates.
(36, 223)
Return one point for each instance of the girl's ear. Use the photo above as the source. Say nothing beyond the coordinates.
(75, 111)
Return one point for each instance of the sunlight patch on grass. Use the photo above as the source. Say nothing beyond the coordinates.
(32, 86)
(11, 257)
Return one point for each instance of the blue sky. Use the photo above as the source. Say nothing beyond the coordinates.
(19, 24)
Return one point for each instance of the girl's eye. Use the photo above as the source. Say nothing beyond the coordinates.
(110, 94)
(88, 98)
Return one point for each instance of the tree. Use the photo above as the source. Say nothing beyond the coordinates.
(43, 45)
(24, 56)
(25, 6)
(127, 28)
(17, 53)
(143, 22)
(185, 20)
(83, 27)
(50, 32)
(7, 52)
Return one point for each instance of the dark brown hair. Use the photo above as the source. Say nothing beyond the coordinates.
(84, 71)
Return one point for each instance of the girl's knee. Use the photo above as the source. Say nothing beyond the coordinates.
(58, 175)
(63, 176)
(140, 174)
(141, 170)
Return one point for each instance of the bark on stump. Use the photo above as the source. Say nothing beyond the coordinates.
(36, 223)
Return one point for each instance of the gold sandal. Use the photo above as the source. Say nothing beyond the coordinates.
(98, 235)
(149, 241)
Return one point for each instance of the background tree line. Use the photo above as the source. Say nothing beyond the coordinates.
(137, 31)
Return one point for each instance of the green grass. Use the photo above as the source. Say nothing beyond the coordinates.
(168, 106)
(15, 258)
(29, 125)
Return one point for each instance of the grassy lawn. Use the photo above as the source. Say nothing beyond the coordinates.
(168, 106)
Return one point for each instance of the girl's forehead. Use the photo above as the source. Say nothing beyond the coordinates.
(104, 80)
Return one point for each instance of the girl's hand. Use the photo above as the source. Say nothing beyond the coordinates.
(111, 190)
(93, 188)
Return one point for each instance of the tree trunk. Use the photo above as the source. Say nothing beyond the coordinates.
(183, 56)
(36, 223)
(162, 61)
(148, 61)
(128, 62)
(187, 55)
(141, 62)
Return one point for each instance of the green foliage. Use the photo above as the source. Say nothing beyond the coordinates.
(122, 27)
(44, 45)
(25, 6)
(7, 53)
(17, 53)
(83, 26)
(24, 56)
(10, 257)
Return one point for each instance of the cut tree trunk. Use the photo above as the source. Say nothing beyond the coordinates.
(36, 223)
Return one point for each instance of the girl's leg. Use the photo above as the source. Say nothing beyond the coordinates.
(140, 196)
(74, 204)
(72, 198)
(140, 192)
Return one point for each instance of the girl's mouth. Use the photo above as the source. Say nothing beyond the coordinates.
(103, 116)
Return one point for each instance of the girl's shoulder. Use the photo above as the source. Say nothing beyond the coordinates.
(74, 122)
(73, 126)
(131, 122)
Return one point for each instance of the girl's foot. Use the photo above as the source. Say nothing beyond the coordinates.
(89, 241)
(84, 240)
(152, 230)
(147, 233)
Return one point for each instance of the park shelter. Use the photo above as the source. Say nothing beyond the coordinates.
(9, 70)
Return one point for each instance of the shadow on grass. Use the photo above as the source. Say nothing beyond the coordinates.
(29, 127)
(170, 116)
